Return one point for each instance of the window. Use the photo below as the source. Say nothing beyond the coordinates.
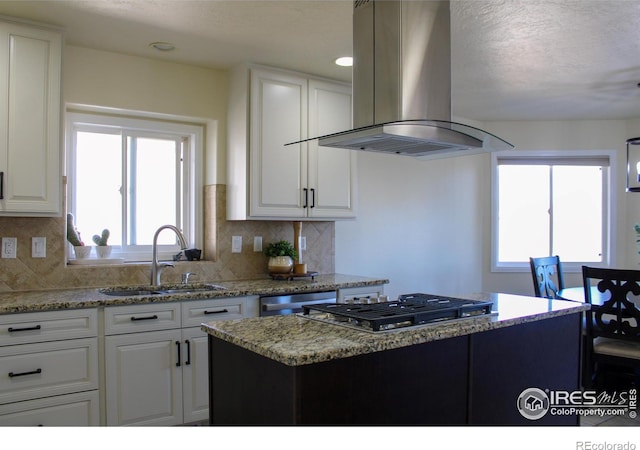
(551, 203)
(132, 176)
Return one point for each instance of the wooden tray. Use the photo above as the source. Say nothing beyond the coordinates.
(290, 276)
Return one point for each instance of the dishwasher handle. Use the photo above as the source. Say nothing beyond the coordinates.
(292, 305)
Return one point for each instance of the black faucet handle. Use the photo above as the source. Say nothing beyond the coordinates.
(193, 254)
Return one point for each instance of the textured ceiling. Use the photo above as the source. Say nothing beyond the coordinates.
(546, 59)
(511, 60)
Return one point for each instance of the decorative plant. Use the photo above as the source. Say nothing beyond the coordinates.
(101, 241)
(72, 234)
(281, 248)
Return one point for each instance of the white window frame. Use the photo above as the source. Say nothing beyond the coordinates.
(609, 212)
(97, 119)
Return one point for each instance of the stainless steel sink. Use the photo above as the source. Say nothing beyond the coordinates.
(189, 291)
(160, 290)
(126, 292)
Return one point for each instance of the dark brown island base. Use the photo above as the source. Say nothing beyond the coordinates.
(490, 370)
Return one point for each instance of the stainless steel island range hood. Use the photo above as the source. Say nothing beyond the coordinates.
(402, 84)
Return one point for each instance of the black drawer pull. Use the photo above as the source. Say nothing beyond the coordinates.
(188, 361)
(178, 346)
(33, 372)
(1, 185)
(313, 198)
(220, 311)
(144, 318)
(13, 330)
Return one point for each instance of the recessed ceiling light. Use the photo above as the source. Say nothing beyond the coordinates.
(345, 61)
(163, 46)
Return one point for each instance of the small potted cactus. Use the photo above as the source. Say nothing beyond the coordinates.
(73, 236)
(102, 249)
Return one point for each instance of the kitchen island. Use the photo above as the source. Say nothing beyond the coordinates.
(291, 369)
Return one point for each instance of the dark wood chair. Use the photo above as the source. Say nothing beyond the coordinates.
(613, 329)
(547, 276)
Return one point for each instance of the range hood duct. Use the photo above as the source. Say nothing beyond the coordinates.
(402, 84)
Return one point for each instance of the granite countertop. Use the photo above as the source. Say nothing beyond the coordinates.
(46, 300)
(296, 340)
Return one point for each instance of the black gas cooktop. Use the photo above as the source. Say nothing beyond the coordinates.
(408, 310)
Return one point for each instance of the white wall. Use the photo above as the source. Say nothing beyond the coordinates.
(425, 225)
(417, 224)
(114, 80)
(565, 135)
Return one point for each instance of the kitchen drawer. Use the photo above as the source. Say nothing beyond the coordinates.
(74, 410)
(197, 312)
(138, 318)
(45, 369)
(25, 328)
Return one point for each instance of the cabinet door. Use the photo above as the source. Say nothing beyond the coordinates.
(195, 375)
(278, 116)
(30, 120)
(331, 171)
(143, 378)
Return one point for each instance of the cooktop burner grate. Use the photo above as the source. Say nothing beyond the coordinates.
(408, 310)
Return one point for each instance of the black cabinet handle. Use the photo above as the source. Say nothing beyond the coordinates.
(220, 311)
(306, 197)
(13, 330)
(1, 185)
(188, 361)
(313, 198)
(178, 345)
(133, 318)
(22, 374)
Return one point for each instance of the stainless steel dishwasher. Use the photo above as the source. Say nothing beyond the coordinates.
(274, 305)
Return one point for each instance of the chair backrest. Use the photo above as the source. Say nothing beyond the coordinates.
(618, 317)
(547, 276)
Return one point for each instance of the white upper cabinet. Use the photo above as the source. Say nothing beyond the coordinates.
(268, 180)
(278, 116)
(30, 64)
(331, 172)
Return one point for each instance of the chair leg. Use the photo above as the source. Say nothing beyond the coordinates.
(588, 368)
(610, 377)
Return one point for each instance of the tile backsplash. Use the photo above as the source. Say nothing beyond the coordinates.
(52, 272)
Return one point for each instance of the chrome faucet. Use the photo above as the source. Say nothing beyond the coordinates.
(156, 267)
(187, 276)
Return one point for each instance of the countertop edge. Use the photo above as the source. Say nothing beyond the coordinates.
(78, 298)
(360, 342)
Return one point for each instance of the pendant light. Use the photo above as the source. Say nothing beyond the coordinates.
(633, 164)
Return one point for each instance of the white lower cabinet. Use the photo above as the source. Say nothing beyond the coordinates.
(143, 379)
(73, 410)
(49, 368)
(160, 377)
(195, 376)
